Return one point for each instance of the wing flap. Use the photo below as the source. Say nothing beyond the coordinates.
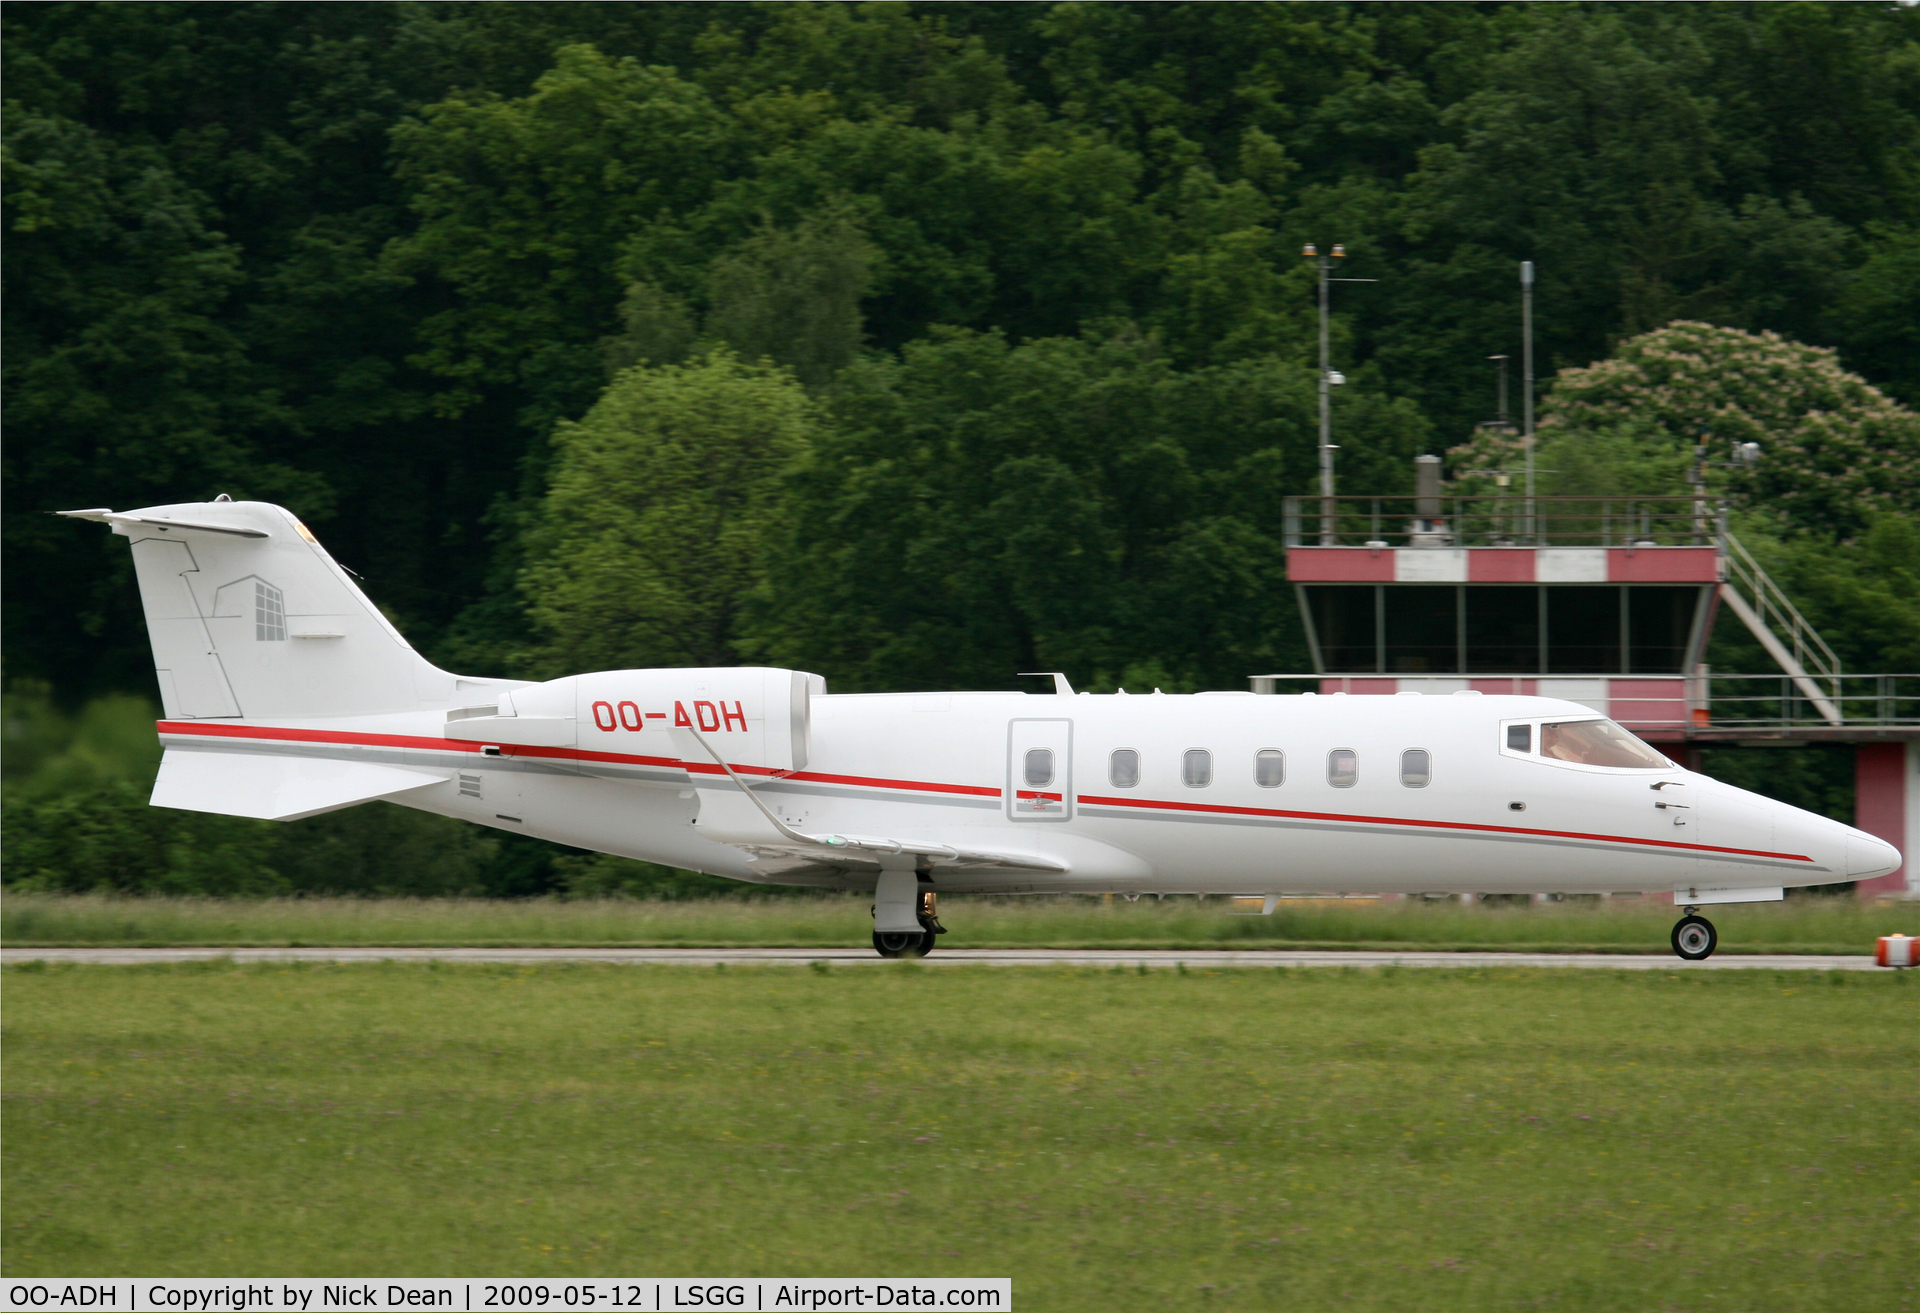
(941, 854)
(273, 788)
(837, 852)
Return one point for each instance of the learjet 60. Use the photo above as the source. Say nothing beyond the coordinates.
(287, 694)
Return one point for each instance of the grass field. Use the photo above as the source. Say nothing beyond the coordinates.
(1262, 1140)
(1811, 925)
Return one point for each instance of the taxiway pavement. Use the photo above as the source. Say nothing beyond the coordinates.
(1103, 957)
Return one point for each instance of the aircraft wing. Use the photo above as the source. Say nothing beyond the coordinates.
(780, 848)
(841, 852)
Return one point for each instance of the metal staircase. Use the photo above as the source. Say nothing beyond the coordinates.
(1763, 608)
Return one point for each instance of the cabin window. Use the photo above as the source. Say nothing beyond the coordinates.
(1416, 768)
(1597, 743)
(1196, 768)
(1520, 738)
(1343, 768)
(269, 613)
(1038, 769)
(1123, 768)
(1269, 768)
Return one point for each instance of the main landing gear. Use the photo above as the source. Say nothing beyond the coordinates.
(909, 943)
(1694, 937)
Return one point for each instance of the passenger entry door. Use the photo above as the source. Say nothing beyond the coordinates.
(1040, 770)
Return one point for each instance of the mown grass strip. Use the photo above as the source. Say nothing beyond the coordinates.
(1811, 925)
(1202, 1139)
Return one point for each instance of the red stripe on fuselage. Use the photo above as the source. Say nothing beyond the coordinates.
(274, 733)
(278, 734)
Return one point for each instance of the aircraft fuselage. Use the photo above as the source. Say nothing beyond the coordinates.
(1341, 808)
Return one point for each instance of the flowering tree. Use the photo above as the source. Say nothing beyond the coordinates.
(1835, 451)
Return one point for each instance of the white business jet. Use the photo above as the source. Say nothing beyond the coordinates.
(288, 694)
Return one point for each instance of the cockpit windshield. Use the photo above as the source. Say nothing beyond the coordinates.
(1597, 743)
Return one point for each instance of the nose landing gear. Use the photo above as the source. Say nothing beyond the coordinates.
(909, 943)
(1694, 937)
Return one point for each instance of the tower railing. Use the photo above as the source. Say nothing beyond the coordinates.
(1704, 703)
(1496, 519)
(1500, 518)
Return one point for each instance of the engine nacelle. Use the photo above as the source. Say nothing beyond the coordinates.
(754, 716)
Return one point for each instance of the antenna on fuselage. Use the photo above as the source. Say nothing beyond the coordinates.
(1060, 684)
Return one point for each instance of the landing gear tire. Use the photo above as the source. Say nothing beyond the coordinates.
(913, 943)
(1694, 938)
(902, 943)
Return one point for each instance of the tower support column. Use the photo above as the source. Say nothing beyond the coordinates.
(1886, 804)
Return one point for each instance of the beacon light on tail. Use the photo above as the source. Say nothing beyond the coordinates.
(287, 694)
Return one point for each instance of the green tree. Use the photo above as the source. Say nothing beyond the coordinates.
(363, 257)
(524, 204)
(1656, 162)
(790, 295)
(123, 379)
(657, 520)
(1834, 450)
(196, 206)
(980, 508)
(793, 295)
(1876, 319)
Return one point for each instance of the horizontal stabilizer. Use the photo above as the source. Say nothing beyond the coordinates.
(272, 788)
(165, 523)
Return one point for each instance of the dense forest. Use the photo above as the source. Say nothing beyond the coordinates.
(970, 338)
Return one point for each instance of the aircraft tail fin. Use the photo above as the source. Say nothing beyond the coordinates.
(250, 617)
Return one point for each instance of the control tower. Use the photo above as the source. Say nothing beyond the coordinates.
(1605, 601)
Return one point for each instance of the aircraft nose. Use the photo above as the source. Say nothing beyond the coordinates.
(1868, 856)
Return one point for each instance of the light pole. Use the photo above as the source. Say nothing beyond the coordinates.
(1329, 380)
(1526, 371)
